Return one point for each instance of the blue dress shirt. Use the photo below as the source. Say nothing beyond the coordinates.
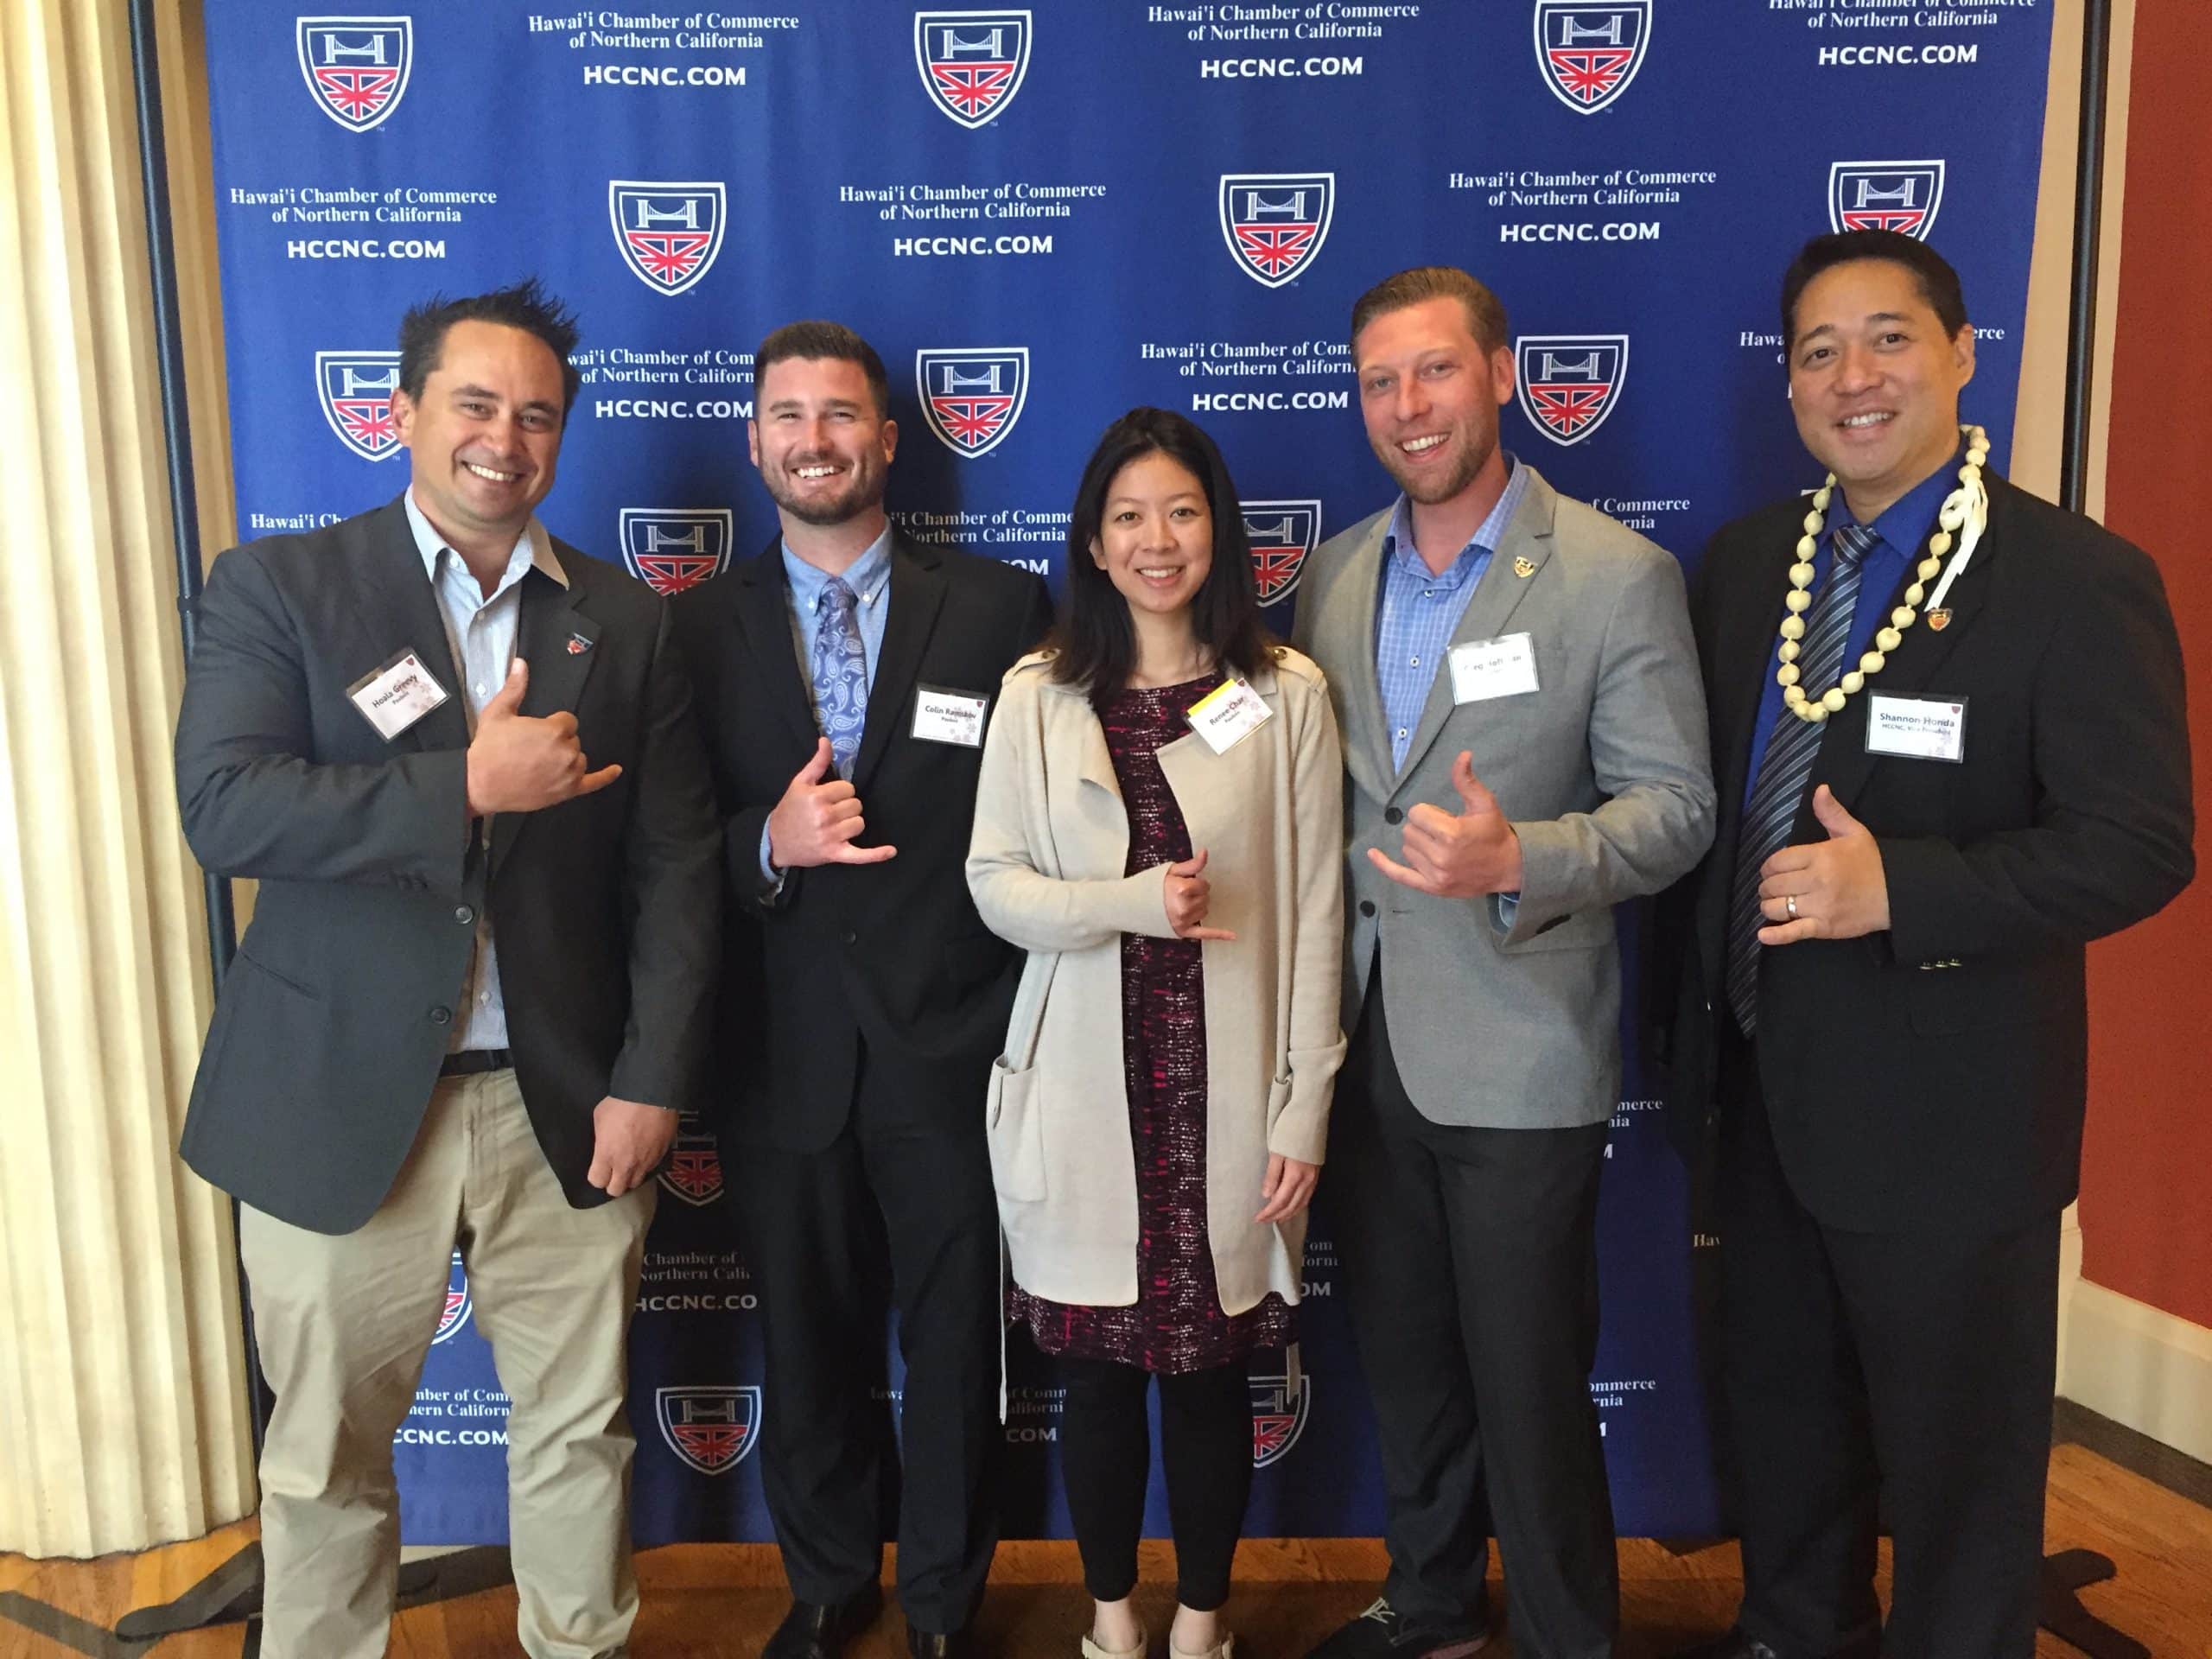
(1903, 526)
(869, 577)
(1418, 609)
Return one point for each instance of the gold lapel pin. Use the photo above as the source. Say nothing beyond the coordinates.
(1525, 567)
(1938, 620)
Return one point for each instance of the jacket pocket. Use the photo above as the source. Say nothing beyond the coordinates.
(1015, 1129)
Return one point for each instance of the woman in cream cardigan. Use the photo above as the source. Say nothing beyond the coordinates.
(1159, 824)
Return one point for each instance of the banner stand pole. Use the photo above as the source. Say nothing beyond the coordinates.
(184, 526)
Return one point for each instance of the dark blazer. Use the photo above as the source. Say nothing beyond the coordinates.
(332, 1023)
(892, 953)
(1935, 1075)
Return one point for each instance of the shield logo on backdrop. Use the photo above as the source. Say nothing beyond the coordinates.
(710, 1427)
(971, 62)
(1275, 223)
(1278, 1416)
(972, 395)
(671, 549)
(354, 389)
(694, 1170)
(1281, 534)
(1570, 383)
(1589, 50)
(356, 67)
(1885, 196)
(669, 233)
(456, 1312)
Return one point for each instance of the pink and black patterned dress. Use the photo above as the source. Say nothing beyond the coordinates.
(1176, 1324)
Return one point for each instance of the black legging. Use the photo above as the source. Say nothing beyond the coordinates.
(1205, 1446)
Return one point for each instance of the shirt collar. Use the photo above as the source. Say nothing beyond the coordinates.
(1398, 545)
(865, 576)
(533, 549)
(1906, 523)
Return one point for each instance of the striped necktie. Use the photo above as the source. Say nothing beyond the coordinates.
(1787, 768)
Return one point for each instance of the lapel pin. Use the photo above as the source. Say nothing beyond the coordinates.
(1523, 566)
(1938, 620)
(578, 644)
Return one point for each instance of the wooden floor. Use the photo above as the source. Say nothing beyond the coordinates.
(720, 1601)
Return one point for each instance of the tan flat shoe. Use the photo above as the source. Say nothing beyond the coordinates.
(1219, 1651)
(1092, 1650)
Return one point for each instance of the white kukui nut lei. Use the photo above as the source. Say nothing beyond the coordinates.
(1967, 506)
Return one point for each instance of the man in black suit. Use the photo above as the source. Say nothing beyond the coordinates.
(844, 675)
(476, 989)
(1883, 1016)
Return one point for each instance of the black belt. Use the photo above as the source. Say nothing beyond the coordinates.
(467, 1062)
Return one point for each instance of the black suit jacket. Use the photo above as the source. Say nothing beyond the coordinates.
(892, 953)
(1933, 1075)
(327, 1037)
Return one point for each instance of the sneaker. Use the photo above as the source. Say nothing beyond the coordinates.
(1382, 1632)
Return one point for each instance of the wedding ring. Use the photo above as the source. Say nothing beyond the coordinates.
(1790, 905)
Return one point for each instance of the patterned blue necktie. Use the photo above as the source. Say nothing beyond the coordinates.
(1788, 767)
(839, 670)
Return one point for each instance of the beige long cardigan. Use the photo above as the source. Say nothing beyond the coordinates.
(1045, 864)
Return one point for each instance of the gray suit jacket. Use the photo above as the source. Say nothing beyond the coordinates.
(1509, 1018)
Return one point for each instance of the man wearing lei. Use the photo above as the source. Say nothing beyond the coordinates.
(1950, 742)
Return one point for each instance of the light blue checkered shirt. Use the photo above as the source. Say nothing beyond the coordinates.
(1418, 610)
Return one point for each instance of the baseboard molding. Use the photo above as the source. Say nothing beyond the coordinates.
(2141, 1367)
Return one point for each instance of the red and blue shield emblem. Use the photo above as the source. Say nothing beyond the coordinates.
(693, 1171)
(669, 233)
(1589, 50)
(1885, 196)
(1275, 223)
(671, 549)
(1570, 383)
(1279, 1414)
(1281, 534)
(709, 1426)
(356, 67)
(972, 395)
(354, 389)
(971, 62)
(454, 1314)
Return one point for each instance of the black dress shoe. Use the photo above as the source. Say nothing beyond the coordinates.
(938, 1644)
(814, 1630)
(1382, 1632)
(1734, 1645)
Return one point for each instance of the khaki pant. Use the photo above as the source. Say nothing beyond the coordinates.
(343, 1324)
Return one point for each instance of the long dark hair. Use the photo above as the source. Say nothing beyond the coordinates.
(1093, 644)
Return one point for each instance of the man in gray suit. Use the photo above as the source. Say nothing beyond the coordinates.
(1524, 737)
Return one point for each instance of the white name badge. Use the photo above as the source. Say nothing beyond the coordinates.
(1920, 729)
(1504, 667)
(943, 717)
(397, 695)
(1228, 714)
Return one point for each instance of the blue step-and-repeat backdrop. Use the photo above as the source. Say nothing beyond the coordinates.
(1042, 216)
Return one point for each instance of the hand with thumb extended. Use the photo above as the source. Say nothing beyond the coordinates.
(1186, 897)
(1458, 854)
(1831, 889)
(523, 762)
(819, 818)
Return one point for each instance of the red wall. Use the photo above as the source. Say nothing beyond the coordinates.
(2146, 1176)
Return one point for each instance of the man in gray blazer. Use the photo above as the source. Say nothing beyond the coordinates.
(1524, 740)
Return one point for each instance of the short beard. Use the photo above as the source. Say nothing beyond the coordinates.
(1469, 467)
(840, 510)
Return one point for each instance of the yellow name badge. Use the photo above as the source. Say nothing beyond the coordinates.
(1228, 714)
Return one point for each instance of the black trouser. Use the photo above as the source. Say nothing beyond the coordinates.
(1908, 1371)
(1205, 1450)
(1470, 1258)
(824, 1230)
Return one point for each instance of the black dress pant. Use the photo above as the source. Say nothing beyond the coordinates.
(1906, 1373)
(1470, 1260)
(1205, 1450)
(892, 1204)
